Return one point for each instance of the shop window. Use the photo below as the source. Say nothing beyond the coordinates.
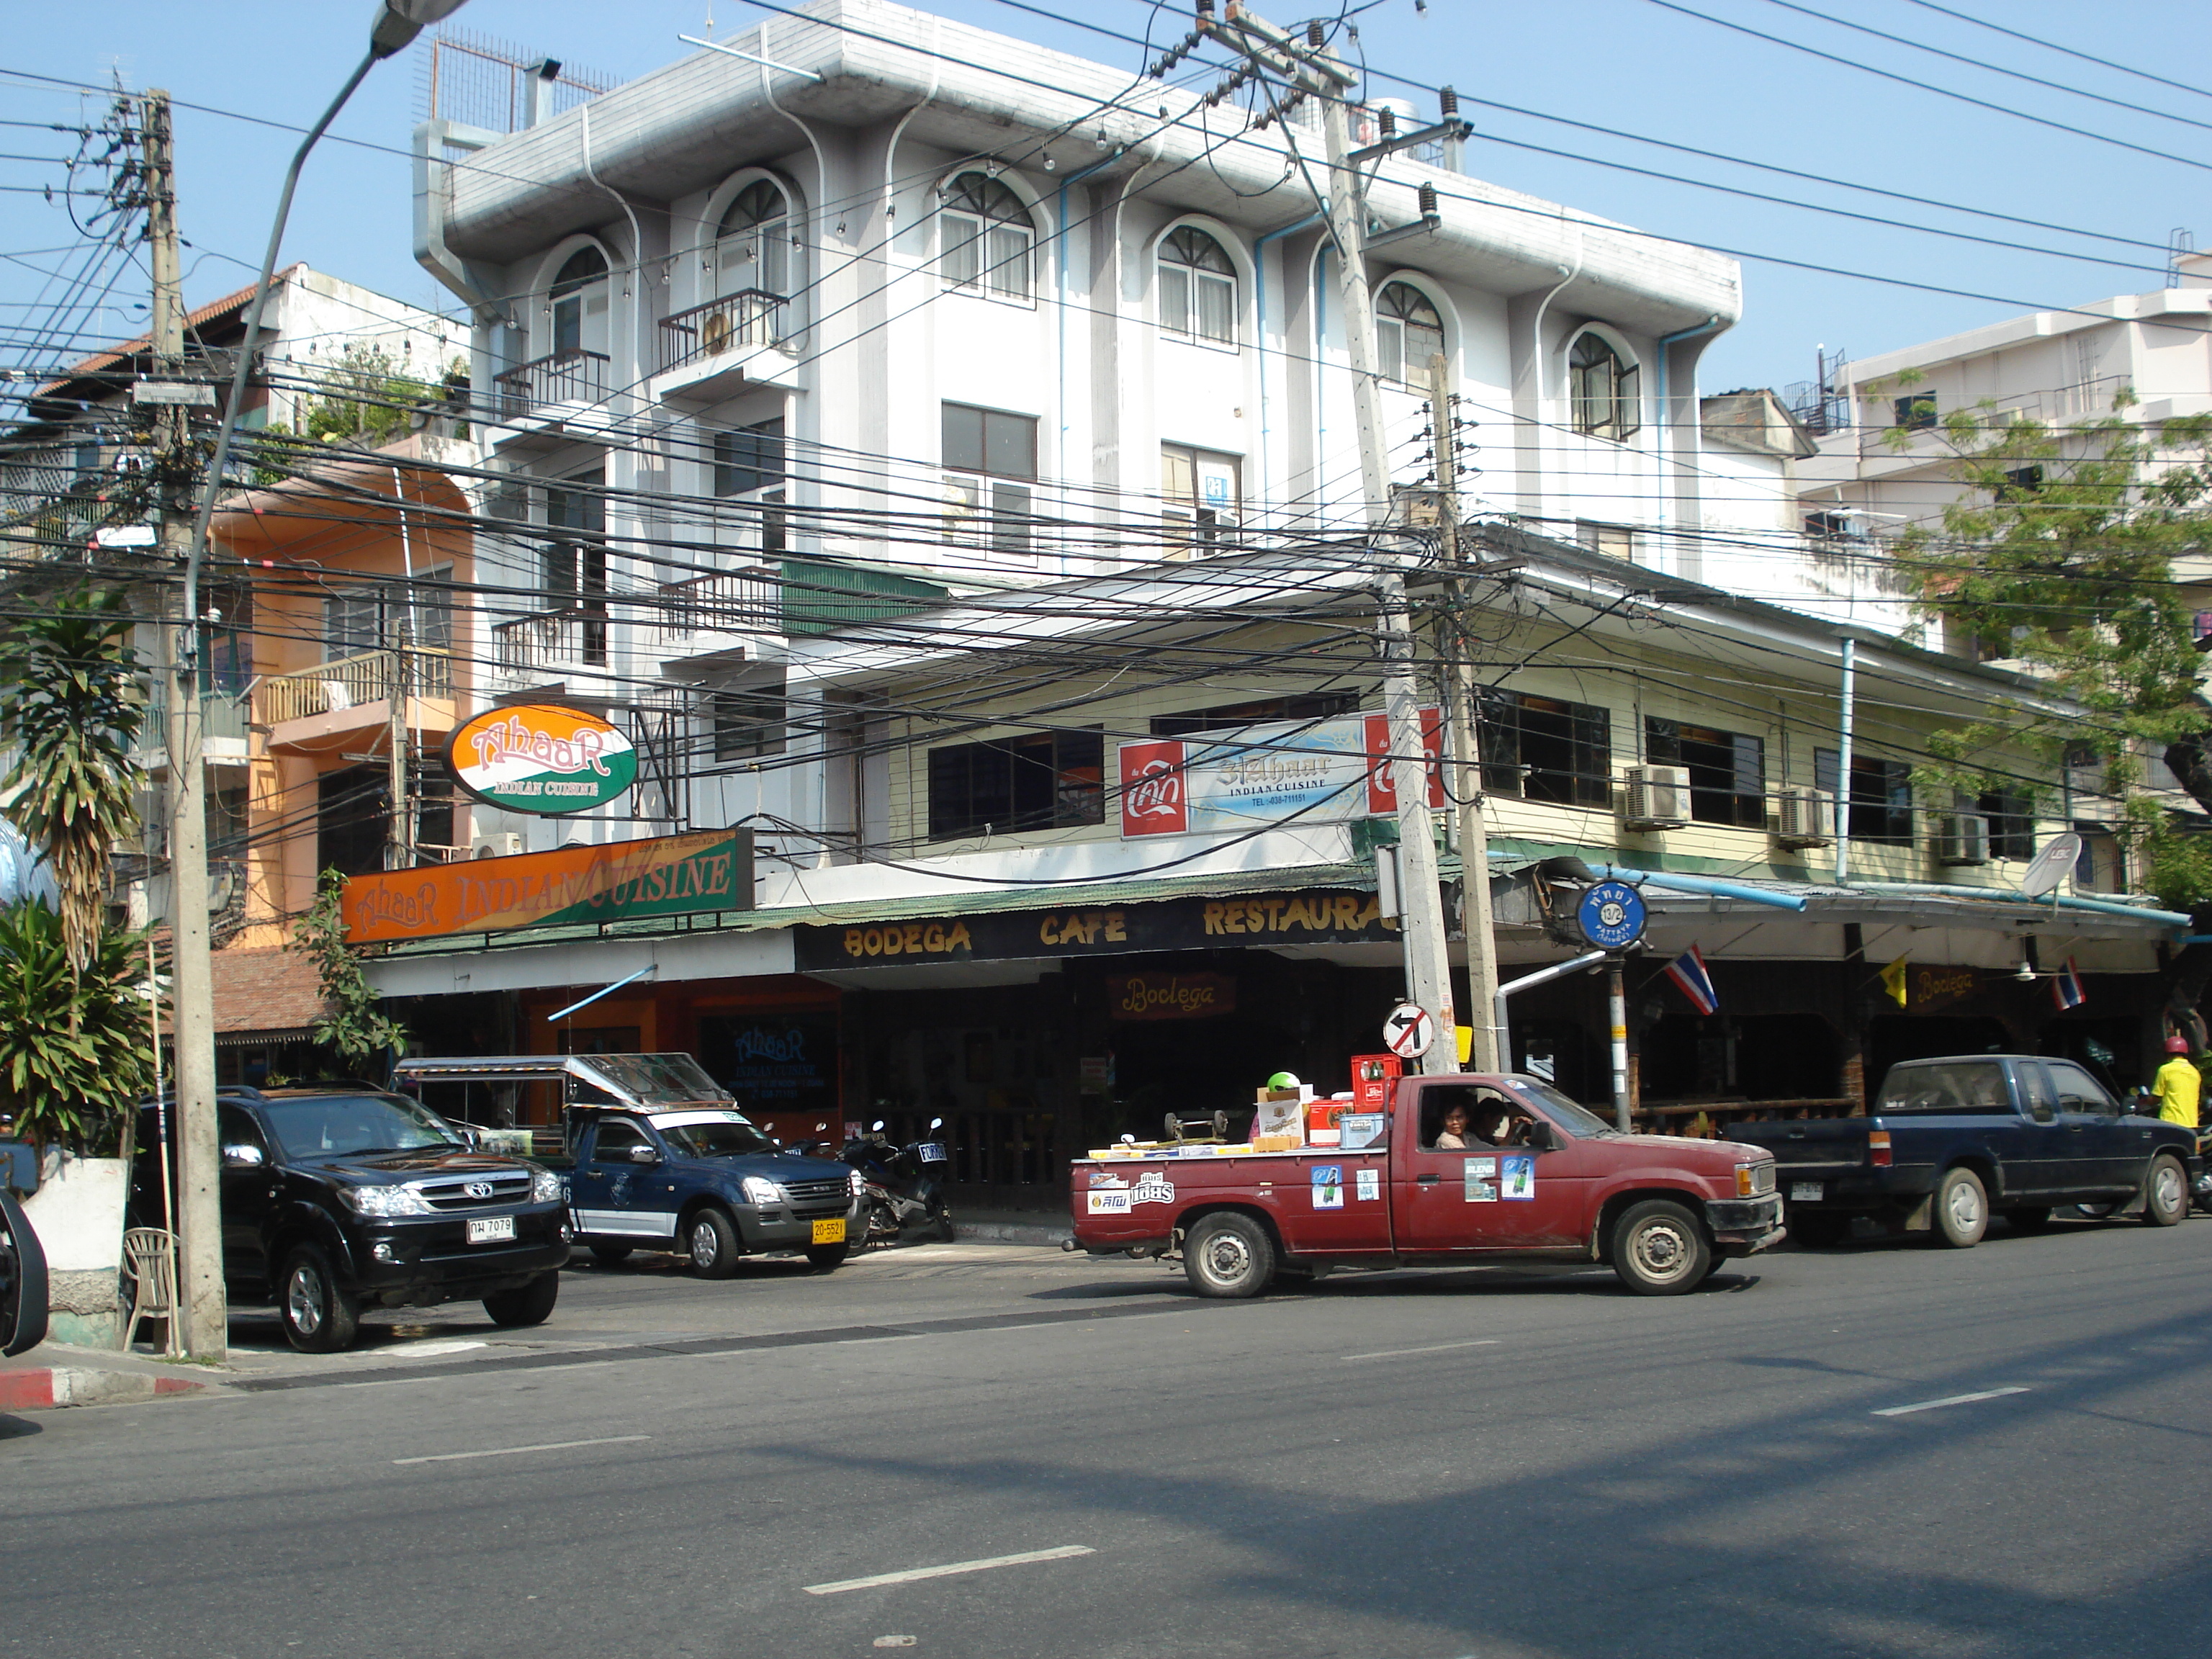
(1915, 412)
(1201, 494)
(1601, 390)
(1408, 333)
(578, 303)
(1728, 770)
(751, 469)
(351, 806)
(1040, 781)
(1881, 800)
(2102, 864)
(352, 622)
(990, 460)
(747, 724)
(1198, 288)
(1545, 749)
(378, 618)
(986, 233)
(1228, 717)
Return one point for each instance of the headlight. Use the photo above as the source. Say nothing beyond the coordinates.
(385, 1201)
(858, 1183)
(544, 1187)
(1753, 1180)
(759, 1189)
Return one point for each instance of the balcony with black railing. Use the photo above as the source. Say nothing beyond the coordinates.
(570, 375)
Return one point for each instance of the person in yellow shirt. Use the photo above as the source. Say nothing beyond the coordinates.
(2176, 1085)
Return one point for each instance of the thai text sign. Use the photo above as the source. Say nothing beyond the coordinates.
(541, 758)
(669, 876)
(1320, 772)
(1169, 996)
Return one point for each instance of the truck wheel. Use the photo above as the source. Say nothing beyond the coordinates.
(612, 1254)
(1962, 1209)
(711, 1244)
(1227, 1254)
(1660, 1249)
(2028, 1217)
(530, 1304)
(2166, 1192)
(827, 1256)
(318, 1315)
(1818, 1228)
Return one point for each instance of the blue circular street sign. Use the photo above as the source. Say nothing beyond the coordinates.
(1612, 916)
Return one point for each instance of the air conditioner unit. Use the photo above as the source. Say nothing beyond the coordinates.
(1965, 840)
(1658, 796)
(505, 845)
(1805, 817)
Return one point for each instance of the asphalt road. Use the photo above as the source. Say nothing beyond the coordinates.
(1422, 1464)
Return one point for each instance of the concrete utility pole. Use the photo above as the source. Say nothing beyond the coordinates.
(203, 1319)
(1316, 71)
(1466, 741)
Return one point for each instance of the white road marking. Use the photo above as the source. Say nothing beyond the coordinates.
(420, 1350)
(510, 1452)
(1949, 1399)
(1441, 1347)
(912, 1574)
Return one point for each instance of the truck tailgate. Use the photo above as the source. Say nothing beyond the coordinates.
(1809, 1147)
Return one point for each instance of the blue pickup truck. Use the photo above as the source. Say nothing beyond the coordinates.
(1948, 1141)
(655, 1156)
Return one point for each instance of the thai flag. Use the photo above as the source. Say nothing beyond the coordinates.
(2066, 987)
(1688, 971)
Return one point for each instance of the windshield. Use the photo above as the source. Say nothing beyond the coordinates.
(324, 1124)
(712, 1134)
(1577, 1120)
(650, 1079)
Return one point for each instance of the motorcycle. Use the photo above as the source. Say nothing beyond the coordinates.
(904, 1186)
(2201, 1188)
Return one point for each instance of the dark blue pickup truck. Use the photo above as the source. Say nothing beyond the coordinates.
(655, 1156)
(1949, 1140)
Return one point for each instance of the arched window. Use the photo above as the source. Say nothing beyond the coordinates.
(987, 234)
(579, 303)
(1198, 288)
(752, 245)
(1408, 332)
(1602, 396)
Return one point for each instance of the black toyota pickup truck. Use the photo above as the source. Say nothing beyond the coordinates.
(1949, 1140)
(336, 1200)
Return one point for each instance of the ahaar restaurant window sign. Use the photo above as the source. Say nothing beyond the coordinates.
(541, 758)
(1318, 772)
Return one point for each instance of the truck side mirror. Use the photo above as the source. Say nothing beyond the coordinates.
(643, 1155)
(1542, 1137)
(240, 1155)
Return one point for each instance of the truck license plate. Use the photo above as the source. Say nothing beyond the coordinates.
(829, 1232)
(1805, 1192)
(491, 1229)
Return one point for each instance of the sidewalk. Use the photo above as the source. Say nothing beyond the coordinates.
(1009, 1226)
(56, 1374)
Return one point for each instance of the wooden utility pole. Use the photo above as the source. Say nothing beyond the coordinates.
(1466, 740)
(203, 1317)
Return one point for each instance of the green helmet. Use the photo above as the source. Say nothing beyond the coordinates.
(1284, 1080)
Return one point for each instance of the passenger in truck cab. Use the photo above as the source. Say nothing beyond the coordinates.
(1461, 1119)
(1456, 1134)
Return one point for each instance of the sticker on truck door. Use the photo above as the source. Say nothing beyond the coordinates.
(1153, 1188)
(1481, 1180)
(1368, 1184)
(1517, 1175)
(1108, 1200)
(1328, 1187)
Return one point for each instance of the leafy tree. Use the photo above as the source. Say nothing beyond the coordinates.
(71, 708)
(75, 1040)
(352, 1027)
(366, 401)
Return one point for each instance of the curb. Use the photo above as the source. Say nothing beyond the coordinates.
(1005, 1232)
(49, 1387)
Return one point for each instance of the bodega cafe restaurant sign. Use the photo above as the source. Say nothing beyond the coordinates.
(541, 758)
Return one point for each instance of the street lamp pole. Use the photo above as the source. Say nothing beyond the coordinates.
(204, 1319)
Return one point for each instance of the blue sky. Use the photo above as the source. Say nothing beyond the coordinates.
(1630, 65)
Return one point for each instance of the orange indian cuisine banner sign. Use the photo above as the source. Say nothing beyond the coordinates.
(668, 876)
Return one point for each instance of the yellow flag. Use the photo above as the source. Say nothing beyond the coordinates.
(1892, 979)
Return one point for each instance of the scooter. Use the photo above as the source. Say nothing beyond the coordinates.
(904, 1186)
(2200, 1189)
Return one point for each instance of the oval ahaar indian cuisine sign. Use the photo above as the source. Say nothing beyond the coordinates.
(541, 757)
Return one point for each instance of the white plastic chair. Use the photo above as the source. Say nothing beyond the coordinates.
(146, 1252)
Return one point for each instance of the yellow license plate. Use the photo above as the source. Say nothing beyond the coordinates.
(829, 1232)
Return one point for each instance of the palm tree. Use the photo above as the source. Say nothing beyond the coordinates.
(71, 708)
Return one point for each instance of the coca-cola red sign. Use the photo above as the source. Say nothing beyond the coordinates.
(1381, 787)
(1154, 802)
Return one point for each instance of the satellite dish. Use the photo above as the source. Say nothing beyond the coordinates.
(2052, 866)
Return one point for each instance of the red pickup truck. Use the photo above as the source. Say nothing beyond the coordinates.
(1529, 1176)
